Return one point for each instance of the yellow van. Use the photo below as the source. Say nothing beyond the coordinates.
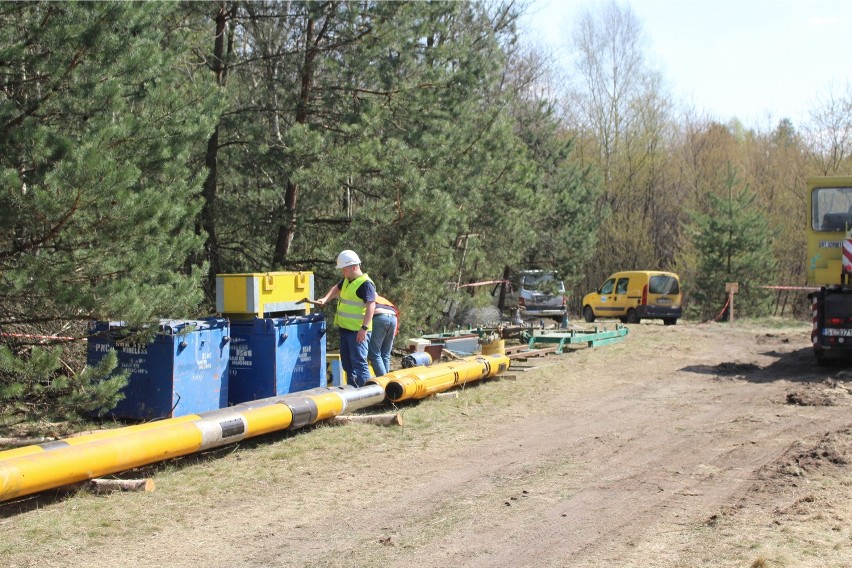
(635, 295)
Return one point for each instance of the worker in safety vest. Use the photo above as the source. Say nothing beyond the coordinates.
(356, 303)
(385, 328)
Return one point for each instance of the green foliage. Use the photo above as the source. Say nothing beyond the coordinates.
(398, 136)
(729, 242)
(95, 160)
(100, 129)
(37, 385)
(136, 162)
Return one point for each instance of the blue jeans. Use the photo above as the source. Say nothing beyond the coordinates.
(353, 357)
(381, 343)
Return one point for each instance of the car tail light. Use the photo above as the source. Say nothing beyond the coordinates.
(564, 301)
(836, 321)
(644, 295)
(522, 302)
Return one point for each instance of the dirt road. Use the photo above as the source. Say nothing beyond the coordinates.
(692, 445)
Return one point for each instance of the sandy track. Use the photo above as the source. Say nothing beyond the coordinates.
(693, 445)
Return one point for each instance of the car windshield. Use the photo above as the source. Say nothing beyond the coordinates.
(544, 282)
(663, 285)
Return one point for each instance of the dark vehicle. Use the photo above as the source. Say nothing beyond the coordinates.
(535, 293)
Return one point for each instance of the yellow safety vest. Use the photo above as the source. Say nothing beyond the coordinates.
(351, 308)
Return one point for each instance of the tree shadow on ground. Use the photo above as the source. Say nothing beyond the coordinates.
(796, 366)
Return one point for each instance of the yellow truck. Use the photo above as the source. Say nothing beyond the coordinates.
(829, 265)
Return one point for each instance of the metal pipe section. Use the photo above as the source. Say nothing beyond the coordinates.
(420, 382)
(31, 469)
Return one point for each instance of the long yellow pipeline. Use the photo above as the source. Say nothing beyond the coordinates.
(93, 436)
(420, 382)
(28, 470)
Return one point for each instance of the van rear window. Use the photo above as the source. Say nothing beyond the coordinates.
(663, 285)
(536, 281)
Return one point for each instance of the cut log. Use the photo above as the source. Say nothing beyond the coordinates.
(101, 486)
(21, 442)
(453, 394)
(506, 377)
(377, 419)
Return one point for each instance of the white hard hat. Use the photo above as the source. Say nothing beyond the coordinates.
(347, 258)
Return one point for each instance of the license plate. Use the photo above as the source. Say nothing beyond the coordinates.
(831, 331)
(664, 301)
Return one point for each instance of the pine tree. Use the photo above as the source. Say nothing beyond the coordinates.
(98, 194)
(729, 242)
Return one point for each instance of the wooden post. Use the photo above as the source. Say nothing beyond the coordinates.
(731, 288)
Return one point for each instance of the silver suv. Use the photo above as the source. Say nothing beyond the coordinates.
(536, 293)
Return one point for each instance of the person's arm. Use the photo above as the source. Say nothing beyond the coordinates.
(330, 295)
(368, 317)
(366, 292)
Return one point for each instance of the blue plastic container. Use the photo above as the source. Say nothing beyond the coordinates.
(416, 359)
(184, 370)
(276, 356)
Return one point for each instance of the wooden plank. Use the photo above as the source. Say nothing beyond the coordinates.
(532, 353)
(527, 369)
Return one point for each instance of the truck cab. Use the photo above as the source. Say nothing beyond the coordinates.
(829, 265)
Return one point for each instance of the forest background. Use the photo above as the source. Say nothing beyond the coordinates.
(147, 147)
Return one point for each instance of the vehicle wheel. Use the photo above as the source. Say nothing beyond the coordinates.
(588, 314)
(669, 321)
(632, 316)
(623, 319)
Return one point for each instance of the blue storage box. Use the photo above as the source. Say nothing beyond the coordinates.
(276, 356)
(184, 370)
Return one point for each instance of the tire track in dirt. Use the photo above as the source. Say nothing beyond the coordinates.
(650, 481)
(645, 481)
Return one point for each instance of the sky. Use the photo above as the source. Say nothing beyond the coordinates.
(755, 60)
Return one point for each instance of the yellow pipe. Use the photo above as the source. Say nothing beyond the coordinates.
(93, 437)
(458, 372)
(329, 405)
(420, 382)
(402, 385)
(36, 468)
(384, 379)
(54, 468)
(267, 419)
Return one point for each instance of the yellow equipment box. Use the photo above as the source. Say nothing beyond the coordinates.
(262, 294)
(334, 373)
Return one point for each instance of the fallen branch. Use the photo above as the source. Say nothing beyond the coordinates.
(376, 419)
